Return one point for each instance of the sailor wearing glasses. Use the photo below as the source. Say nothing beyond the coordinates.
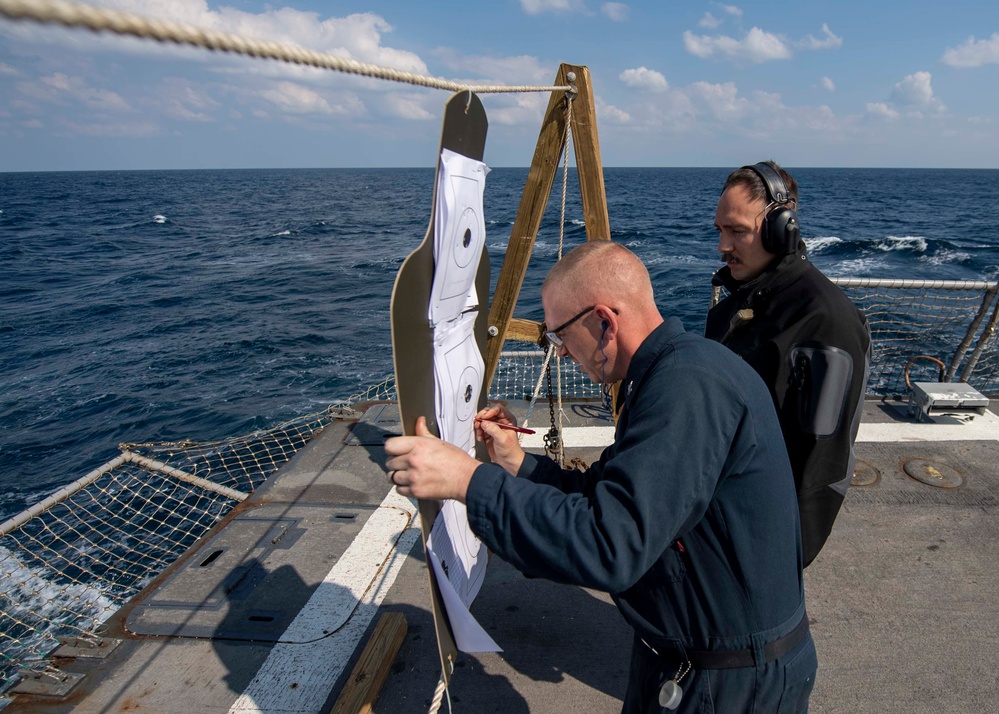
(689, 519)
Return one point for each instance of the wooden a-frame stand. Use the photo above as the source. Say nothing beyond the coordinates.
(544, 167)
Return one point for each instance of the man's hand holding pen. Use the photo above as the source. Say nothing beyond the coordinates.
(423, 466)
(497, 428)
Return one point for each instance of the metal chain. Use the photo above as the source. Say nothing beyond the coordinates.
(553, 441)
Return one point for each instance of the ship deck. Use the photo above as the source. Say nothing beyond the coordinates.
(272, 610)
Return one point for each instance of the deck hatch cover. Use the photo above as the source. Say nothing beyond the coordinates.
(246, 583)
(376, 424)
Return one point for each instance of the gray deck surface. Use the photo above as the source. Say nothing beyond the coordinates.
(903, 601)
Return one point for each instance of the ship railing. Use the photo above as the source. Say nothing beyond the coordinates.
(953, 321)
(73, 559)
(949, 321)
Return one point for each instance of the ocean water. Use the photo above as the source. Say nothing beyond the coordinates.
(161, 305)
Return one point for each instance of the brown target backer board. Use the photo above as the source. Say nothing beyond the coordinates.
(463, 132)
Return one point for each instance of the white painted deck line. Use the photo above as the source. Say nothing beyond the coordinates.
(573, 436)
(300, 671)
(984, 427)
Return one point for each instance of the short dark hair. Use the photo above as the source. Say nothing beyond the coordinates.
(754, 184)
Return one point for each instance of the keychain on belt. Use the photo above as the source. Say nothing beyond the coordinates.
(670, 693)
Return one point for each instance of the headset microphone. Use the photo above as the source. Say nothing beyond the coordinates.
(605, 394)
(780, 226)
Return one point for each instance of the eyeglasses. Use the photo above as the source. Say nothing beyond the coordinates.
(554, 337)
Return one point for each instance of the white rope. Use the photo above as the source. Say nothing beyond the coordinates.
(565, 174)
(561, 243)
(435, 703)
(73, 14)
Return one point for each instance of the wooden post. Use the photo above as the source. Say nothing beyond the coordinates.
(368, 676)
(540, 178)
(589, 165)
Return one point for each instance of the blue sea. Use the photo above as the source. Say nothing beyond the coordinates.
(162, 305)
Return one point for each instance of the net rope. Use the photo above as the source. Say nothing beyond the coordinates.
(79, 15)
(68, 563)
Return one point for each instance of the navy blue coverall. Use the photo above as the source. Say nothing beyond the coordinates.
(689, 520)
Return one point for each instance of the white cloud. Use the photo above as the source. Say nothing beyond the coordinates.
(293, 98)
(705, 109)
(409, 106)
(536, 7)
(644, 78)
(828, 42)
(7, 69)
(915, 92)
(882, 110)
(912, 97)
(616, 11)
(180, 99)
(59, 86)
(130, 129)
(828, 84)
(721, 101)
(519, 69)
(518, 109)
(611, 113)
(709, 21)
(973, 53)
(732, 10)
(757, 46)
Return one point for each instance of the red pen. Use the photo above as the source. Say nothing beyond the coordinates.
(510, 427)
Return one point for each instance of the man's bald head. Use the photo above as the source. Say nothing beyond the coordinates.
(601, 272)
(608, 290)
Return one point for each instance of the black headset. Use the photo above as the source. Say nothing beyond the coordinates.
(780, 226)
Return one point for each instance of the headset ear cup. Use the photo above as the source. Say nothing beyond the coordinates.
(781, 232)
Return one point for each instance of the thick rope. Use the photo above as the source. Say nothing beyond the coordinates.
(438, 699)
(561, 242)
(73, 14)
(565, 173)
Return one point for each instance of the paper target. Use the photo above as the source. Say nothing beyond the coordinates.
(466, 235)
(459, 237)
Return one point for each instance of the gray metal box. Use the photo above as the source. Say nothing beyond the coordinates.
(929, 398)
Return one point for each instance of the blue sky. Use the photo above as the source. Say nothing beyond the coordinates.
(885, 84)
